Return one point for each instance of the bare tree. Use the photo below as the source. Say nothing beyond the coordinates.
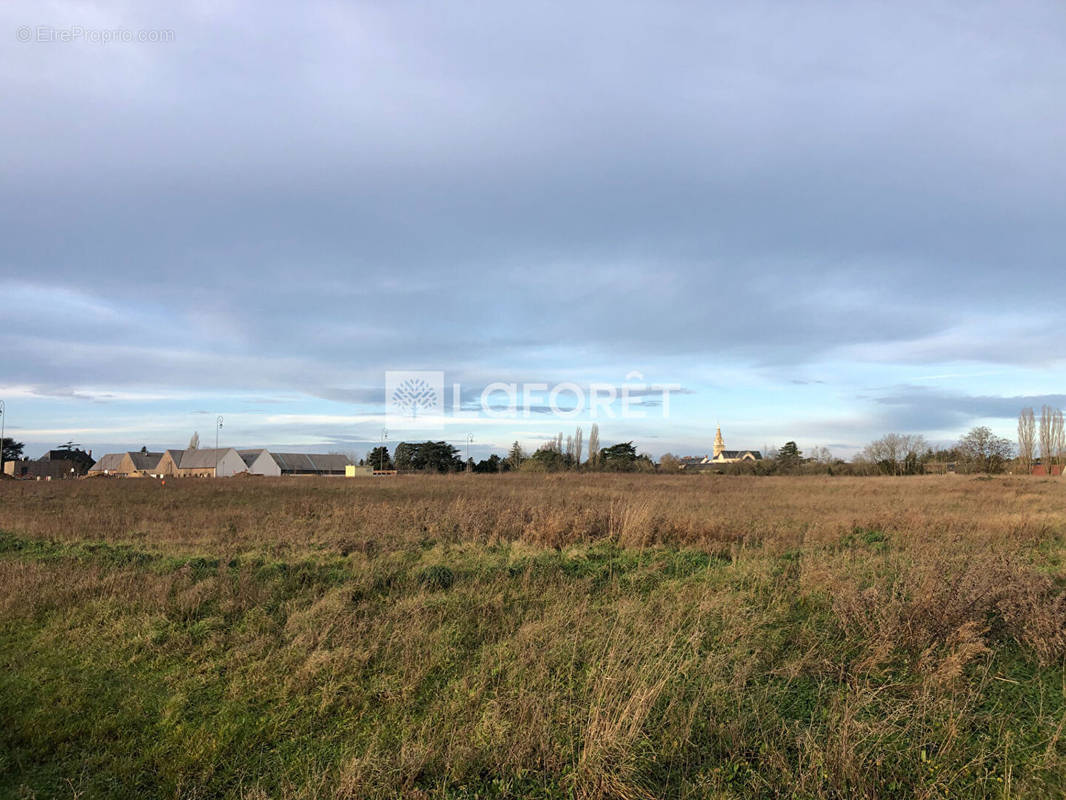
(984, 450)
(821, 455)
(194, 441)
(669, 463)
(897, 453)
(1058, 437)
(1026, 439)
(1047, 451)
(569, 450)
(578, 441)
(594, 446)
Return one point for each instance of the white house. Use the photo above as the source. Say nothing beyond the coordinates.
(260, 462)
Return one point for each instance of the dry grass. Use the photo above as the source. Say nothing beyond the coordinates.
(556, 636)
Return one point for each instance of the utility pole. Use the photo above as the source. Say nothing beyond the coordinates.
(381, 452)
(3, 422)
(469, 439)
(218, 430)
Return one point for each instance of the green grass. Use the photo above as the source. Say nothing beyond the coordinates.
(128, 700)
(857, 665)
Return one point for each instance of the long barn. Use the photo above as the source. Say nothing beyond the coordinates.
(310, 463)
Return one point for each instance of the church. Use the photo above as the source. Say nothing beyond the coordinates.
(721, 455)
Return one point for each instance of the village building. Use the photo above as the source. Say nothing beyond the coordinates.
(169, 463)
(209, 463)
(223, 462)
(132, 464)
(260, 462)
(723, 456)
(311, 463)
(43, 469)
(720, 456)
(60, 464)
(270, 463)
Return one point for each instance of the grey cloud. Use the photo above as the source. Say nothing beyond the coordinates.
(373, 395)
(408, 185)
(913, 408)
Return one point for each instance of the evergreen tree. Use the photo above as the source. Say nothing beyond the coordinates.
(378, 458)
(12, 450)
(516, 456)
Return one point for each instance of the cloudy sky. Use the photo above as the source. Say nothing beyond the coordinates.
(824, 222)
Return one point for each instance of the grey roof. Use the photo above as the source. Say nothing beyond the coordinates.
(145, 460)
(111, 461)
(201, 459)
(250, 456)
(740, 453)
(310, 462)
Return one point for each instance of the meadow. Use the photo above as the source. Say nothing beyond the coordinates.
(546, 636)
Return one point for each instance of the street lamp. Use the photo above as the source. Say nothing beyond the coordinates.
(218, 430)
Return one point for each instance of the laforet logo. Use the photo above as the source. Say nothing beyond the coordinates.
(414, 398)
(415, 395)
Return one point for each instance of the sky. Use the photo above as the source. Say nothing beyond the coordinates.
(820, 222)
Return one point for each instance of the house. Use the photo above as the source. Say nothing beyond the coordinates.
(42, 469)
(81, 460)
(110, 464)
(132, 464)
(691, 462)
(170, 463)
(219, 463)
(209, 463)
(144, 463)
(260, 462)
(66, 462)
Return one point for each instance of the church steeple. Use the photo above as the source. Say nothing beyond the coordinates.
(719, 443)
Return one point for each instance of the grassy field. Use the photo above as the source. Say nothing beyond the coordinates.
(534, 636)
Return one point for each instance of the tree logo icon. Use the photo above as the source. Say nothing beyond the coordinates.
(414, 395)
(414, 399)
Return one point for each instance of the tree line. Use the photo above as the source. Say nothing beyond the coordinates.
(563, 453)
(1041, 440)
(1046, 439)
